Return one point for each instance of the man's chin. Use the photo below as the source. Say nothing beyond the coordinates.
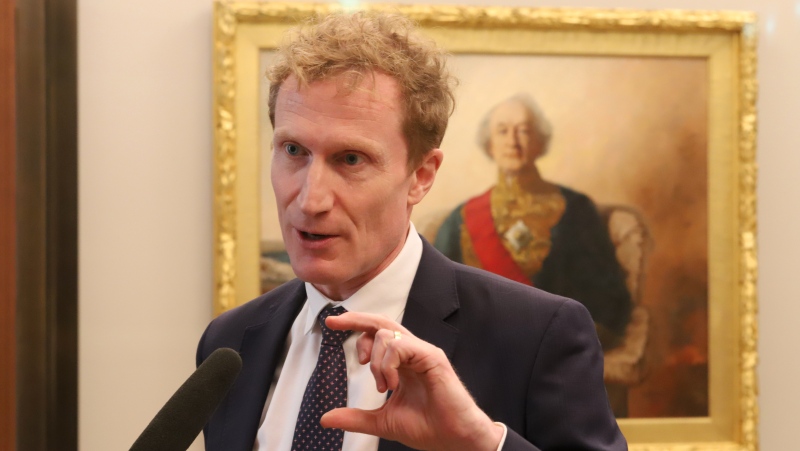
(511, 167)
(324, 273)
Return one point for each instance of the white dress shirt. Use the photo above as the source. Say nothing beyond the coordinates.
(386, 295)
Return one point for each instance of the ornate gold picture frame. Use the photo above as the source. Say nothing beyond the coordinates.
(653, 117)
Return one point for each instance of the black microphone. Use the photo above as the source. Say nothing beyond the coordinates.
(177, 424)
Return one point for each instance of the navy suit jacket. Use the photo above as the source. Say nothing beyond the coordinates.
(530, 359)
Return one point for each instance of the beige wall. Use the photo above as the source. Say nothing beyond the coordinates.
(145, 206)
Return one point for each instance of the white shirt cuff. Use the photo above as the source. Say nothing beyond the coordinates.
(505, 434)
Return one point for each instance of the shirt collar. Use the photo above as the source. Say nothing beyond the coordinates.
(386, 294)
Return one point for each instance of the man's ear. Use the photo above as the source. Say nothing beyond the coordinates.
(423, 176)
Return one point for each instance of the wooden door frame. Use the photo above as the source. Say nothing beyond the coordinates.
(8, 233)
(47, 225)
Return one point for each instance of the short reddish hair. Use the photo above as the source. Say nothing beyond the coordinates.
(364, 42)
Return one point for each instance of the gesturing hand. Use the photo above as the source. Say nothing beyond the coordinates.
(429, 408)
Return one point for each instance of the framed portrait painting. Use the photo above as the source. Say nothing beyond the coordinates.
(641, 128)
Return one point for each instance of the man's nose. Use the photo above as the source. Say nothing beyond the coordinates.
(316, 195)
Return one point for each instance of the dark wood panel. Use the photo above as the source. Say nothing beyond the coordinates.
(8, 235)
(62, 224)
(31, 290)
(47, 263)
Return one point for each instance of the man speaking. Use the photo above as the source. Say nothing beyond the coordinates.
(382, 343)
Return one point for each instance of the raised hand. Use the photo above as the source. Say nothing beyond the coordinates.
(429, 407)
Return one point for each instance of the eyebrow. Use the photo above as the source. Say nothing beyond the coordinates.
(512, 123)
(282, 133)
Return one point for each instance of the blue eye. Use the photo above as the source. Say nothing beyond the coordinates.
(292, 149)
(352, 159)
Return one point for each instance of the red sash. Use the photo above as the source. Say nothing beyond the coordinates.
(494, 257)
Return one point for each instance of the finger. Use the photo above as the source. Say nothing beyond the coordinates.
(391, 363)
(364, 347)
(351, 420)
(363, 322)
(379, 346)
(414, 354)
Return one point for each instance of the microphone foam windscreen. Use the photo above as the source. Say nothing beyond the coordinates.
(178, 423)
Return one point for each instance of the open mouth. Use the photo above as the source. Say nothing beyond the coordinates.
(313, 236)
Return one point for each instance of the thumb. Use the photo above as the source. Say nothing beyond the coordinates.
(351, 420)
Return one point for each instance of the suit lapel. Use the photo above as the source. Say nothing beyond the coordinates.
(432, 300)
(261, 350)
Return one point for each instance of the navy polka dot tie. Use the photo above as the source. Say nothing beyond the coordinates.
(326, 390)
